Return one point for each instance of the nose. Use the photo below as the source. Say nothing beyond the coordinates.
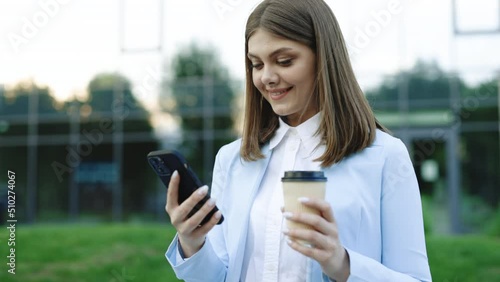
(269, 76)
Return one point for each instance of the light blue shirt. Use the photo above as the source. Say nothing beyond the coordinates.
(375, 200)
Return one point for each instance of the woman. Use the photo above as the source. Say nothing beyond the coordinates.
(304, 111)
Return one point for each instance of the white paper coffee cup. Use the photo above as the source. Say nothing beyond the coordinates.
(299, 184)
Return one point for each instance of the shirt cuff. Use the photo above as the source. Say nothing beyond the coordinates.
(179, 256)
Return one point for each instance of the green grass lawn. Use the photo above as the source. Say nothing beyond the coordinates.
(126, 253)
(112, 253)
(464, 258)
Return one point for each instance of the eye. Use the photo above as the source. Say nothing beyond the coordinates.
(285, 62)
(256, 66)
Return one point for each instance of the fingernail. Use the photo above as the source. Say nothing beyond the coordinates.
(218, 215)
(211, 202)
(304, 199)
(203, 190)
(175, 173)
(289, 241)
(285, 231)
(287, 214)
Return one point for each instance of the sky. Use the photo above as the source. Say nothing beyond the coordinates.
(64, 43)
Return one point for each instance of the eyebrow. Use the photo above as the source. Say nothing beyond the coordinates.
(274, 53)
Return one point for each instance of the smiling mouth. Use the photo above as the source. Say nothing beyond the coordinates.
(276, 95)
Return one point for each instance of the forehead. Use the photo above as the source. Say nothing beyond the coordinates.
(263, 42)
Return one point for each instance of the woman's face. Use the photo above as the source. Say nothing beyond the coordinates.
(284, 72)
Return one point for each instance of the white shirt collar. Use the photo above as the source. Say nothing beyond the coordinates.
(306, 132)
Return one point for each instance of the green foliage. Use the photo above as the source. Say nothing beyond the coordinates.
(23, 96)
(492, 227)
(203, 97)
(200, 81)
(16, 99)
(472, 110)
(111, 93)
(425, 81)
(480, 166)
(474, 212)
(52, 193)
(479, 103)
(427, 214)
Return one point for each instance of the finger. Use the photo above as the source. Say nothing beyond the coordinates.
(196, 219)
(173, 192)
(203, 230)
(187, 206)
(317, 222)
(313, 237)
(323, 206)
(309, 251)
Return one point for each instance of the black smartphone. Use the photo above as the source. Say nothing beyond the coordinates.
(164, 163)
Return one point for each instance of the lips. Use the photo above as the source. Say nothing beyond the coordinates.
(277, 94)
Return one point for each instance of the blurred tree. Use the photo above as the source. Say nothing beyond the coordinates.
(426, 86)
(53, 120)
(110, 99)
(425, 81)
(111, 93)
(481, 158)
(203, 97)
(479, 103)
(16, 101)
(429, 87)
(50, 119)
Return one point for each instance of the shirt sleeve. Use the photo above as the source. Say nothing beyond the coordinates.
(404, 256)
(212, 257)
(180, 255)
(189, 269)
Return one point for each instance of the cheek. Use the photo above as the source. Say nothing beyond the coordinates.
(257, 82)
(305, 82)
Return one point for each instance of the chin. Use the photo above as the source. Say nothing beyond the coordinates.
(281, 113)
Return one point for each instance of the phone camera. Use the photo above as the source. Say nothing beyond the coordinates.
(159, 166)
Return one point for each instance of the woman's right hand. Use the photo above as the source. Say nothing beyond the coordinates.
(191, 235)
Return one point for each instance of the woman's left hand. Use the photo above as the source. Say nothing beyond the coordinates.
(324, 241)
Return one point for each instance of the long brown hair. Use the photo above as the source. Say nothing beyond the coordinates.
(347, 122)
